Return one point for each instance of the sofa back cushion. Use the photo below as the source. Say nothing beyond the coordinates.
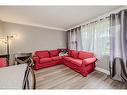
(69, 52)
(42, 54)
(84, 55)
(54, 53)
(73, 53)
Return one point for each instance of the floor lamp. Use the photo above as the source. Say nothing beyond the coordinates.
(7, 43)
(8, 37)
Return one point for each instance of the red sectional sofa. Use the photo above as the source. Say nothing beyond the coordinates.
(46, 58)
(80, 61)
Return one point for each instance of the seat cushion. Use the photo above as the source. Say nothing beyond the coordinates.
(42, 54)
(77, 62)
(74, 53)
(54, 53)
(89, 60)
(83, 55)
(56, 58)
(44, 60)
(68, 58)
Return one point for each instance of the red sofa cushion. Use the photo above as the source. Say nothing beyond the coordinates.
(77, 62)
(69, 52)
(89, 60)
(3, 62)
(84, 55)
(56, 58)
(44, 60)
(73, 53)
(54, 53)
(42, 54)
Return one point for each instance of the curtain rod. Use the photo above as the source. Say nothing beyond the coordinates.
(89, 22)
(98, 20)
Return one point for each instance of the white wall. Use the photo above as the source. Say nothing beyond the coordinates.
(30, 39)
(2, 44)
(1, 28)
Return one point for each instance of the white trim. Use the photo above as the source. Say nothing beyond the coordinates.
(35, 25)
(100, 17)
(102, 70)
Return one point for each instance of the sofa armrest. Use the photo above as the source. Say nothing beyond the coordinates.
(35, 59)
(89, 61)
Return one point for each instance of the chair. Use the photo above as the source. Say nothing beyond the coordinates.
(4, 62)
(21, 58)
(29, 71)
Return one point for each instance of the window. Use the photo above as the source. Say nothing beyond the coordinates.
(95, 37)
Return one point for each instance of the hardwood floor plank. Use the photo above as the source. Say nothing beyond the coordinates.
(51, 74)
(62, 77)
(61, 81)
(56, 77)
(66, 85)
(50, 69)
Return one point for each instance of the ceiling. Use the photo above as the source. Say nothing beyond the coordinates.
(57, 17)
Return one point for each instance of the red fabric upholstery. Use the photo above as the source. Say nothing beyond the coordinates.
(53, 53)
(56, 58)
(82, 62)
(3, 62)
(69, 53)
(43, 60)
(47, 64)
(36, 59)
(89, 60)
(74, 53)
(84, 55)
(78, 62)
(42, 54)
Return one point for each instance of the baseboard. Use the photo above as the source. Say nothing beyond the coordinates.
(102, 70)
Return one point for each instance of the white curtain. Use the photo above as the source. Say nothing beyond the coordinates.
(74, 39)
(95, 37)
(87, 33)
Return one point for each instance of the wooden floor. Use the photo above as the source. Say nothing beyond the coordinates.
(62, 77)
